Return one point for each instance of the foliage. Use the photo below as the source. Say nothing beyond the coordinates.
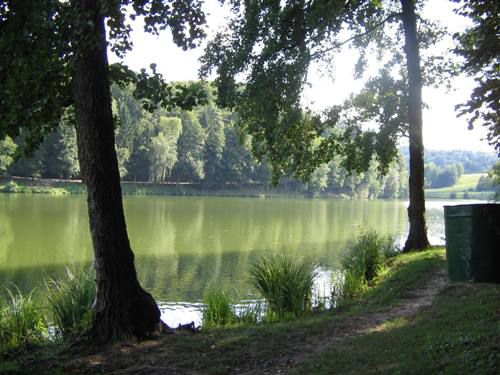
(472, 161)
(21, 321)
(485, 183)
(273, 45)
(11, 187)
(285, 282)
(35, 79)
(163, 148)
(70, 301)
(466, 185)
(480, 47)
(7, 151)
(365, 260)
(218, 310)
(210, 151)
(436, 177)
(494, 174)
(191, 144)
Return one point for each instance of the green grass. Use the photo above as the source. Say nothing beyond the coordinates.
(21, 321)
(405, 273)
(465, 188)
(459, 334)
(19, 187)
(218, 310)
(365, 261)
(286, 283)
(70, 301)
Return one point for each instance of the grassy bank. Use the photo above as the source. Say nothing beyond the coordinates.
(62, 187)
(465, 188)
(409, 321)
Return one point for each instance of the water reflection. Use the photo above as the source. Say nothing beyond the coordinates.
(185, 245)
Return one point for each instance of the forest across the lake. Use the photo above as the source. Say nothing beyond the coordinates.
(201, 152)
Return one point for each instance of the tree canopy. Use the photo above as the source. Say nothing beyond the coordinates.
(479, 45)
(53, 61)
(269, 47)
(40, 41)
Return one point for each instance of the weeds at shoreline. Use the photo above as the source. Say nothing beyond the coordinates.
(285, 283)
(21, 321)
(70, 301)
(365, 262)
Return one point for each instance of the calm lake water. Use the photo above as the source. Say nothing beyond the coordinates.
(185, 245)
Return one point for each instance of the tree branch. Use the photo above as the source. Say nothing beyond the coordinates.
(369, 31)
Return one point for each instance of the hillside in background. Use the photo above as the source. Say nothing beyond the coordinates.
(472, 161)
(466, 188)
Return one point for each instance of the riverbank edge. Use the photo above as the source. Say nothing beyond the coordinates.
(458, 330)
(24, 185)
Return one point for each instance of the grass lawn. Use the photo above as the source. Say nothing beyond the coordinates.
(411, 321)
(465, 185)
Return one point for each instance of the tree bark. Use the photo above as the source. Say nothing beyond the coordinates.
(122, 309)
(417, 236)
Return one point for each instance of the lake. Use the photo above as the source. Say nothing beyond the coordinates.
(183, 245)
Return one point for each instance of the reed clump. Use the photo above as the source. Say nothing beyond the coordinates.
(365, 261)
(218, 310)
(70, 301)
(21, 321)
(286, 283)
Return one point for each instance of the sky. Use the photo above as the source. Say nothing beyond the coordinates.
(442, 130)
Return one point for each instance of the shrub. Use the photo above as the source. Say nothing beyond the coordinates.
(365, 260)
(70, 301)
(21, 322)
(285, 283)
(11, 187)
(218, 310)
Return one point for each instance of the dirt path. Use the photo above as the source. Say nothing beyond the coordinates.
(245, 354)
(356, 326)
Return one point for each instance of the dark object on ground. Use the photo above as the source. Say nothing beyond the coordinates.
(473, 242)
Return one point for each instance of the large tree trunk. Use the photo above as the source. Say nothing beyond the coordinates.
(417, 236)
(122, 308)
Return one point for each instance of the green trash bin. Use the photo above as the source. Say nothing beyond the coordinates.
(473, 242)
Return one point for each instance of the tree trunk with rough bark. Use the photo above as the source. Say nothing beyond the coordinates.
(417, 236)
(122, 309)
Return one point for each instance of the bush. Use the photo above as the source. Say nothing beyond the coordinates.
(365, 260)
(11, 187)
(218, 310)
(21, 322)
(285, 283)
(70, 301)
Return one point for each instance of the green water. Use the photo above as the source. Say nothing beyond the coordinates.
(183, 245)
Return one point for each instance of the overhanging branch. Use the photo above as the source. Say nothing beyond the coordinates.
(358, 36)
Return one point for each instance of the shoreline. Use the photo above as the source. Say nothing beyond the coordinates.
(27, 185)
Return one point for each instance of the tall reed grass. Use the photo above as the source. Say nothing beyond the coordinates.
(365, 261)
(286, 284)
(218, 309)
(70, 301)
(21, 321)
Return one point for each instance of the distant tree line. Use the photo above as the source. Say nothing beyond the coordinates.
(471, 161)
(200, 146)
(491, 181)
(438, 177)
